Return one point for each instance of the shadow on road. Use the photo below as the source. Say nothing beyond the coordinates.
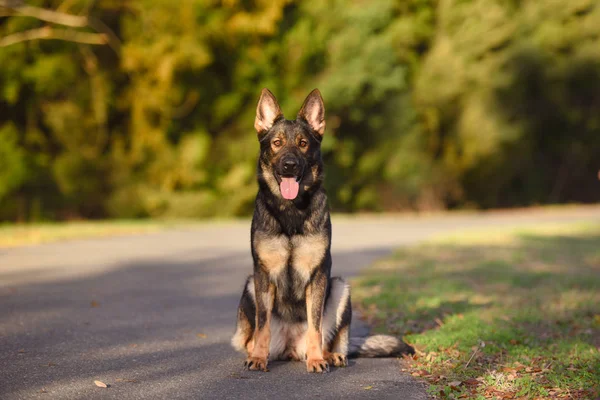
(158, 324)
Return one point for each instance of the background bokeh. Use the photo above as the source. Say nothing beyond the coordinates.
(145, 108)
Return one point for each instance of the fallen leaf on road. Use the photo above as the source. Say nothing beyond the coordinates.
(101, 384)
(22, 351)
(368, 387)
(237, 376)
(94, 304)
(201, 335)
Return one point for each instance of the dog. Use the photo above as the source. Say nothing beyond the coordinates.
(291, 308)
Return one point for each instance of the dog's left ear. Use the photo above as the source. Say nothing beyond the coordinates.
(313, 112)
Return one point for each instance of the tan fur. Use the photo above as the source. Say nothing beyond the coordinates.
(314, 344)
(270, 179)
(336, 359)
(268, 298)
(273, 252)
(308, 253)
(262, 337)
(243, 331)
(314, 339)
(298, 344)
(340, 342)
(314, 353)
(315, 172)
(250, 347)
(286, 340)
(309, 226)
(242, 338)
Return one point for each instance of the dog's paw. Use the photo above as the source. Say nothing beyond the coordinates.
(256, 364)
(317, 365)
(337, 359)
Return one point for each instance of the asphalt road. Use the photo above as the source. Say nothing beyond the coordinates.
(152, 315)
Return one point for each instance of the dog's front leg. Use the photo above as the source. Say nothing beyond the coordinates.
(265, 294)
(315, 299)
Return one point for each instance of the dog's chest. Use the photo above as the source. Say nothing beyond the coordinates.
(291, 258)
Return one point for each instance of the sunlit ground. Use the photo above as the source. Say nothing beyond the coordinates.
(28, 234)
(496, 314)
(25, 234)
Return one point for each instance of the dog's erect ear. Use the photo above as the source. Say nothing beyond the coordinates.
(267, 111)
(313, 112)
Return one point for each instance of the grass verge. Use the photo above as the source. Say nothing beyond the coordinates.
(506, 315)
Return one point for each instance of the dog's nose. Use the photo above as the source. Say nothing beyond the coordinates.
(289, 165)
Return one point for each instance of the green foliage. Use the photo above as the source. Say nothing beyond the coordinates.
(510, 88)
(430, 104)
(13, 170)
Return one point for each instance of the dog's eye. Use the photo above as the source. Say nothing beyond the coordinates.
(303, 143)
(277, 143)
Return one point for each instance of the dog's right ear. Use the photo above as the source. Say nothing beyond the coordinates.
(267, 112)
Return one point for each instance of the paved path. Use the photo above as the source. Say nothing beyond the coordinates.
(133, 311)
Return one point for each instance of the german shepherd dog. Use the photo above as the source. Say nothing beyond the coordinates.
(291, 308)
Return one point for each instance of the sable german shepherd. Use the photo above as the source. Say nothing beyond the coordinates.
(291, 309)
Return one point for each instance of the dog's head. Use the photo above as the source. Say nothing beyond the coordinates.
(290, 151)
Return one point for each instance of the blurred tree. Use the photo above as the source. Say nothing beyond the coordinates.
(504, 101)
(133, 109)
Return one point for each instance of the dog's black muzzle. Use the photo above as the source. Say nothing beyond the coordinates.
(291, 166)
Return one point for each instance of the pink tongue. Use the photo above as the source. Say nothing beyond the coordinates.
(289, 188)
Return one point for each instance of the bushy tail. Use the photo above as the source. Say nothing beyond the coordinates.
(378, 346)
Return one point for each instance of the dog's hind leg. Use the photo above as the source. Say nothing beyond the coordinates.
(264, 298)
(242, 339)
(336, 323)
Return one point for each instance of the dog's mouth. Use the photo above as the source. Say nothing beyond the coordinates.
(289, 186)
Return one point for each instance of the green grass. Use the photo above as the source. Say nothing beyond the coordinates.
(524, 306)
(29, 234)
